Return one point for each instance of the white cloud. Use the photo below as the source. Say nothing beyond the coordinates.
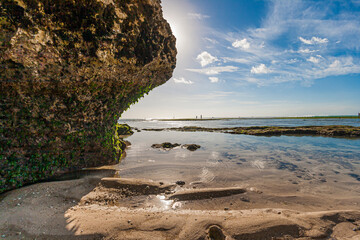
(182, 80)
(213, 41)
(214, 79)
(340, 66)
(261, 69)
(308, 33)
(237, 60)
(313, 59)
(335, 64)
(314, 40)
(214, 70)
(251, 80)
(206, 58)
(306, 50)
(244, 44)
(293, 60)
(197, 16)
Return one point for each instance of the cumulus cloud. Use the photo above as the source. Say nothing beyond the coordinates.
(214, 70)
(182, 80)
(313, 59)
(214, 79)
(261, 69)
(206, 58)
(293, 33)
(197, 16)
(314, 40)
(244, 44)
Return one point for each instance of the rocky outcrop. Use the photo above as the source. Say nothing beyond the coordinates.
(68, 69)
(325, 131)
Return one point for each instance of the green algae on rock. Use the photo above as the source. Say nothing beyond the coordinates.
(68, 69)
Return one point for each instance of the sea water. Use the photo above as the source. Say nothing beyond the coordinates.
(308, 164)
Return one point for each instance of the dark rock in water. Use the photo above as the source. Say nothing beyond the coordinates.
(156, 145)
(168, 145)
(180, 183)
(191, 147)
(155, 129)
(165, 145)
(68, 69)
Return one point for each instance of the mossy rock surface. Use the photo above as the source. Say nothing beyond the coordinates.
(68, 69)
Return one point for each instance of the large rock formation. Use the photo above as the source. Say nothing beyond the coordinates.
(68, 69)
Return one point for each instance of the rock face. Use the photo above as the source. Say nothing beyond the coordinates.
(68, 69)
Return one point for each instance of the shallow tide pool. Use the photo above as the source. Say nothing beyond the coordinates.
(309, 164)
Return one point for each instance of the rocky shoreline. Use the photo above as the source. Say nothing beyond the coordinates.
(324, 131)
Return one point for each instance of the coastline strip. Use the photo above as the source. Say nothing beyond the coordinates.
(325, 131)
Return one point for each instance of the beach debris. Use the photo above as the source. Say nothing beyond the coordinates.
(253, 189)
(356, 228)
(180, 183)
(177, 205)
(244, 199)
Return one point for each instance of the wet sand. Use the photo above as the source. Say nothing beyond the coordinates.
(114, 208)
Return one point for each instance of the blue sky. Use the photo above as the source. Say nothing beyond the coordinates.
(252, 58)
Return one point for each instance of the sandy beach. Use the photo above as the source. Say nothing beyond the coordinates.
(98, 207)
(285, 198)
